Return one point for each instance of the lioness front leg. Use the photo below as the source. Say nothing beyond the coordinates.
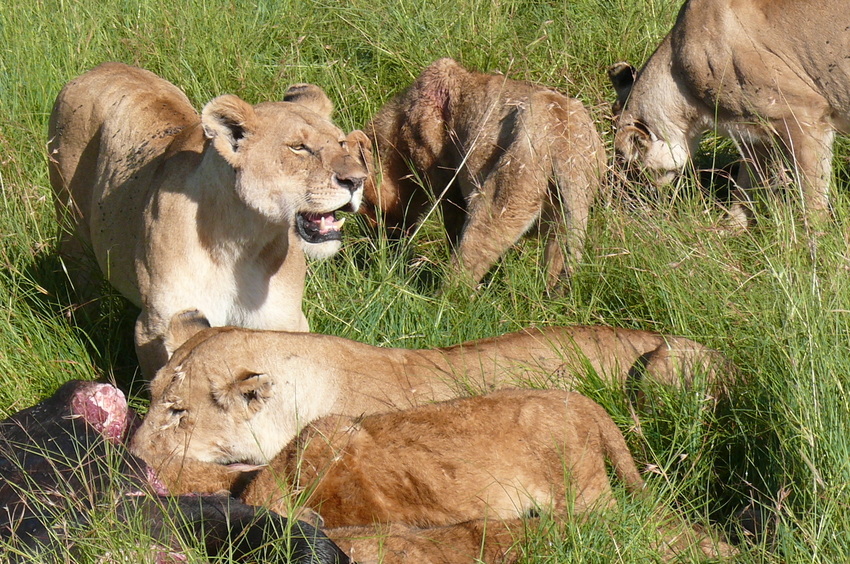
(756, 160)
(810, 149)
(151, 351)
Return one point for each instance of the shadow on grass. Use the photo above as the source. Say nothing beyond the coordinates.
(726, 459)
(104, 321)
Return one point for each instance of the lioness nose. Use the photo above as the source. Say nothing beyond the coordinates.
(351, 181)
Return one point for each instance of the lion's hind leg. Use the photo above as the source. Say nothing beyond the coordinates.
(563, 229)
(506, 205)
(569, 151)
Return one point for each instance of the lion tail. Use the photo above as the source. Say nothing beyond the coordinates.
(617, 452)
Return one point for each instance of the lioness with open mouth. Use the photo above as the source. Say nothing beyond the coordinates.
(214, 212)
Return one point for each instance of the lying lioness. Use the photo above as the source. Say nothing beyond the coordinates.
(232, 395)
(213, 212)
(497, 154)
(499, 455)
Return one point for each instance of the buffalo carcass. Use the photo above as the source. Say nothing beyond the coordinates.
(63, 462)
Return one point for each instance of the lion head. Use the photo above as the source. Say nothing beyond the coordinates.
(646, 137)
(210, 405)
(292, 165)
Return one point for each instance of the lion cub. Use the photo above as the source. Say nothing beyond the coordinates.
(501, 455)
(497, 154)
(447, 467)
(214, 212)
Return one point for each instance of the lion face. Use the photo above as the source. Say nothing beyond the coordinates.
(636, 144)
(213, 405)
(193, 417)
(658, 143)
(291, 164)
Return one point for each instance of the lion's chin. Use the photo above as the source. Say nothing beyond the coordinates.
(321, 251)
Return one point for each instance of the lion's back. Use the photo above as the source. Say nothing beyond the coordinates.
(543, 126)
(746, 56)
(105, 126)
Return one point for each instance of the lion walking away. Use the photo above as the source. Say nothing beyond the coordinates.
(498, 155)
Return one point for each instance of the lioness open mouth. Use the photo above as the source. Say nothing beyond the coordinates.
(319, 227)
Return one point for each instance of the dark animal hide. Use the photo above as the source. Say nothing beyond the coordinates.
(63, 460)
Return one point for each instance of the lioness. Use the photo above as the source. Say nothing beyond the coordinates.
(500, 455)
(231, 395)
(497, 154)
(213, 212)
(760, 71)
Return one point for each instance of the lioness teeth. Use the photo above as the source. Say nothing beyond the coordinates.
(328, 223)
(317, 228)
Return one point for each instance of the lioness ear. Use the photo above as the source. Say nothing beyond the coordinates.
(248, 389)
(310, 96)
(360, 147)
(622, 76)
(226, 121)
(182, 327)
(637, 134)
(429, 110)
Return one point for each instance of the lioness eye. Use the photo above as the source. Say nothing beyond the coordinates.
(299, 149)
(343, 144)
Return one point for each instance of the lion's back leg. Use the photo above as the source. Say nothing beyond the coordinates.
(73, 149)
(577, 157)
(502, 208)
(564, 224)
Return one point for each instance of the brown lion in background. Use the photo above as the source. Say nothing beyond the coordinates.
(497, 155)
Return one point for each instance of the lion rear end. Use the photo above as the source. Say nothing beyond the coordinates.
(578, 163)
(496, 155)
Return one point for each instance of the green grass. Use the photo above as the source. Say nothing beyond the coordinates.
(775, 299)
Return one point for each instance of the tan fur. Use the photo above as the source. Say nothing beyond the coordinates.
(498, 154)
(491, 541)
(237, 395)
(451, 465)
(483, 540)
(185, 211)
(500, 455)
(764, 72)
